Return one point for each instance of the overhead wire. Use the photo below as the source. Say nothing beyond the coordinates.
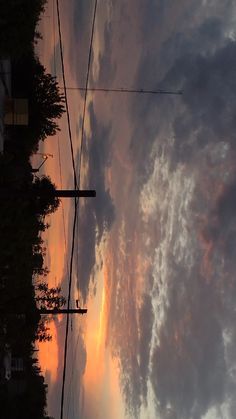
(76, 183)
(67, 317)
(58, 140)
(75, 209)
(74, 355)
(78, 180)
(86, 89)
(65, 93)
(62, 206)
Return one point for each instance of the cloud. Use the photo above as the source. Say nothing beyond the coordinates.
(97, 215)
(107, 67)
(187, 357)
(145, 325)
(188, 366)
(198, 59)
(55, 61)
(186, 361)
(208, 85)
(81, 24)
(101, 57)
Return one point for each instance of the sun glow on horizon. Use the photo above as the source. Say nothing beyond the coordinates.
(48, 354)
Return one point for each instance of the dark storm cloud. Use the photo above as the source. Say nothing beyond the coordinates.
(226, 206)
(145, 324)
(107, 68)
(221, 226)
(209, 95)
(131, 344)
(98, 214)
(83, 14)
(99, 160)
(201, 62)
(86, 251)
(193, 366)
(82, 18)
(188, 367)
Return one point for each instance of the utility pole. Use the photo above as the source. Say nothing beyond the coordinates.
(63, 311)
(6, 311)
(74, 193)
(57, 193)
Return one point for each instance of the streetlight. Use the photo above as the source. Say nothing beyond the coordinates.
(44, 157)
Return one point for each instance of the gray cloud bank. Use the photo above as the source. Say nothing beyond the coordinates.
(191, 369)
(191, 46)
(97, 215)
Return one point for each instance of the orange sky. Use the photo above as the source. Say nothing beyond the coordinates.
(101, 378)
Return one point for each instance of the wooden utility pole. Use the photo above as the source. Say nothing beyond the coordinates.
(13, 311)
(63, 311)
(74, 193)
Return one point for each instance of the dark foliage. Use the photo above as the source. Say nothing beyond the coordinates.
(25, 201)
(18, 20)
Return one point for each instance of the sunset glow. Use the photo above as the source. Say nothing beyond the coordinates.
(155, 251)
(48, 354)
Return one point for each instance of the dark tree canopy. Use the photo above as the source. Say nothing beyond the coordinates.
(44, 196)
(19, 19)
(26, 201)
(49, 297)
(46, 103)
(42, 334)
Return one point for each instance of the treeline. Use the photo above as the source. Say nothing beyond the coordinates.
(18, 22)
(26, 200)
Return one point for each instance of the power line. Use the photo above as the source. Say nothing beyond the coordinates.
(75, 212)
(58, 140)
(54, 37)
(66, 100)
(77, 184)
(67, 317)
(74, 355)
(63, 213)
(85, 89)
(126, 90)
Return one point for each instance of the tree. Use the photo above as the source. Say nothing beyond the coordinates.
(46, 103)
(43, 191)
(42, 334)
(49, 297)
(19, 18)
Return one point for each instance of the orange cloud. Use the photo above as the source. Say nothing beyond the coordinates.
(101, 378)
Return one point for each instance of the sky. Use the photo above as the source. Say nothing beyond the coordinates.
(155, 251)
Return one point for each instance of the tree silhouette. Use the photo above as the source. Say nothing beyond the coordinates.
(49, 298)
(46, 103)
(43, 191)
(42, 333)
